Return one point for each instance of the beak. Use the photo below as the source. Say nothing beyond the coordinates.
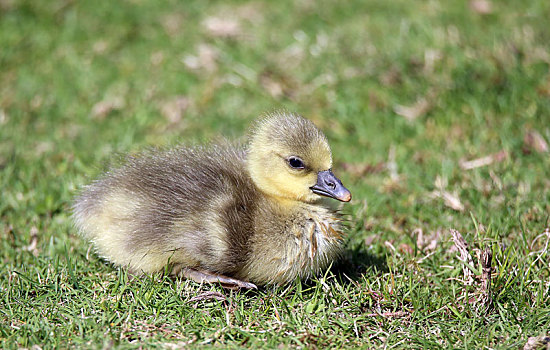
(329, 185)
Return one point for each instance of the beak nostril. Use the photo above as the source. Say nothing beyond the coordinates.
(329, 185)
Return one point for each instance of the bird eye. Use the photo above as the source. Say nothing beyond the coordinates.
(296, 163)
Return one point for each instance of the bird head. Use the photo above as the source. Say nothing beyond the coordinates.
(289, 158)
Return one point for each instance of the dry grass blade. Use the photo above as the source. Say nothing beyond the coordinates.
(206, 58)
(145, 328)
(482, 7)
(392, 164)
(424, 242)
(276, 84)
(533, 140)
(486, 298)
(418, 109)
(208, 295)
(465, 257)
(542, 252)
(174, 109)
(32, 247)
(484, 161)
(389, 314)
(451, 200)
(221, 27)
(3, 117)
(179, 345)
(103, 108)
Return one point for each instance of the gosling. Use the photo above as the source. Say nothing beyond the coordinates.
(222, 214)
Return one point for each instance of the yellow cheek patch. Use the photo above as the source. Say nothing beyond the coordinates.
(273, 141)
(279, 181)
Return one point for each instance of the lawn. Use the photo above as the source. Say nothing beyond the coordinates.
(438, 114)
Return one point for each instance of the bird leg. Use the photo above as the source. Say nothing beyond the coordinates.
(201, 276)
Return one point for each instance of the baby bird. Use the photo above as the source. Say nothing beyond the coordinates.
(222, 214)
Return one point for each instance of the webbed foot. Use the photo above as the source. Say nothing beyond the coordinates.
(201, 276)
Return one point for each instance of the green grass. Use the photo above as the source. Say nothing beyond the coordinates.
(344, 65)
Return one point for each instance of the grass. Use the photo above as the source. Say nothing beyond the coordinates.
(421, 86)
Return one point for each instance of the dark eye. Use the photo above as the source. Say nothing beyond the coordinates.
(296, 163)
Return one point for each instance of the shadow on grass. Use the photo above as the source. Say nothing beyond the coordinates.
(352, 266)
(356, 263)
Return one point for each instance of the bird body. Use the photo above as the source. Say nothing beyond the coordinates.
(238, 214)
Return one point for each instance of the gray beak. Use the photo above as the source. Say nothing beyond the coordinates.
(329, 185)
